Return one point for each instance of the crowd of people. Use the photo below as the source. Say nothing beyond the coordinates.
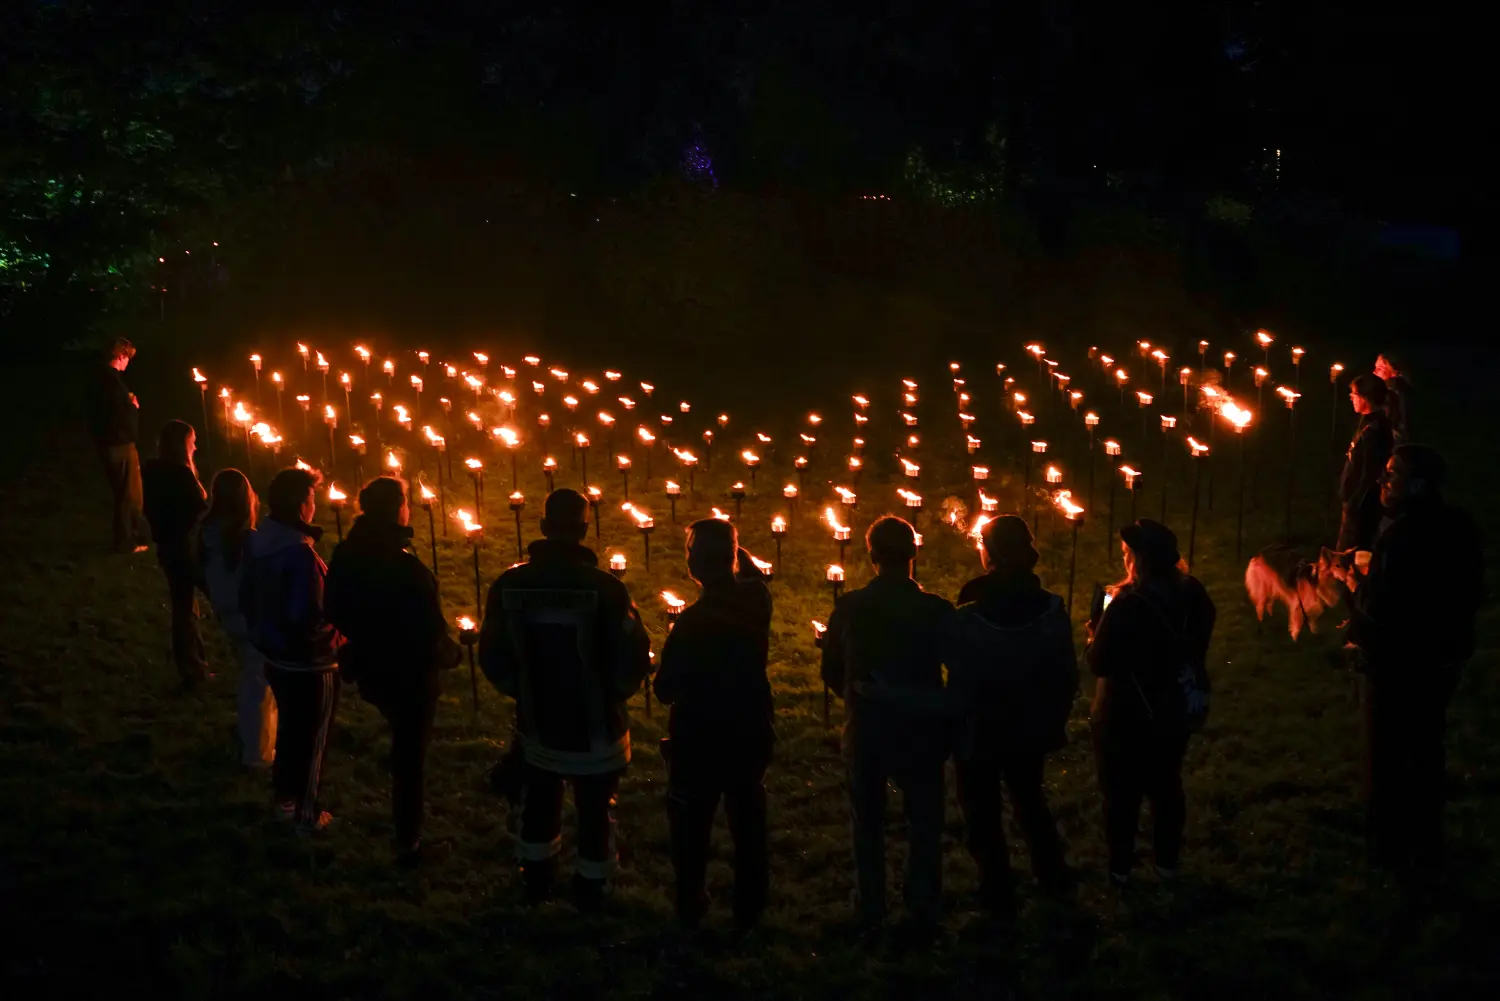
(989, 682)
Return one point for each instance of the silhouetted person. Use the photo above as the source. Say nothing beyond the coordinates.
(1359, 486)
(1413, 622)
(173, 500)
(563, 639)
(114, 421)
(1158, 620)
(281, 595)
(1012, 681)
(713, 675)
(222, 537)
(384, 602)
(890, 632)
(1398, 395)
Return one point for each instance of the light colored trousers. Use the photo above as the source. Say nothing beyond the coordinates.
(255, 707)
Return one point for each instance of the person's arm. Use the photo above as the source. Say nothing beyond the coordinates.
(833, 667)
(676, 661)
(632, 644)
(498, 658)
(1111, 637)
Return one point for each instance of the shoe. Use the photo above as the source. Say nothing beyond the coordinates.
(306, 829)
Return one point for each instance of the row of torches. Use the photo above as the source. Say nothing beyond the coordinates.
(1063, 500)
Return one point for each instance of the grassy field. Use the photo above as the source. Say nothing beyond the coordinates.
(133, 853)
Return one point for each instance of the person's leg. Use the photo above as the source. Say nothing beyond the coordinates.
(1117, 761)
(984, 826)
(1168, 802)
(745, 802)
(323, 691)
(411, 731)
(692, 801)
(1024, 770)
(134, 498)
(541, 831)
(255, 708)
(922, 801)
(1429, 778)
(594, 802)
(867, 782)
(187, 642)
(1385, 761)
(112, 458)
(293, 737)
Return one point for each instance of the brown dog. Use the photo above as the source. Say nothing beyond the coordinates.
(1280, 575)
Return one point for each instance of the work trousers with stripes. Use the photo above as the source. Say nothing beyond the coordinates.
(305, 702)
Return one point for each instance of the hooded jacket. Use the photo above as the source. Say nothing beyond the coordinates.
(281, 596)
(1014, 668)
(713, 666)
(113, 419)
(1416, 610)
(173, 500)
(384, 602)
(563, 639)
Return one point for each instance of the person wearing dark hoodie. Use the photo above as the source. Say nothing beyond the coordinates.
(1413, 623)
(720, 733)
(563, 638)
(1158, 621)
(891, 632)
(222, 535)
(385, 604)
(1359, 485)
(114, 422)
(1011, 686)
(281, 595)
(174, 500)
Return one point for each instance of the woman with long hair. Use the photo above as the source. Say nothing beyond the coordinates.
(1148, 646)
(174, 499)
(221, 545)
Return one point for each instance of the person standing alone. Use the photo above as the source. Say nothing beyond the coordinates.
(174, 499)
(114, 420)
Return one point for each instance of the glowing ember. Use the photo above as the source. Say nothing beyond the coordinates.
(1111, 447)
(685, 457)
(646, 436)
(911, 468)
(617, 562)
(474, 382)
(560, 374)
(789, 491)
(1054, 475)
(612, 376)
(988, 504)
(389, 367)
(1198, 448)
(1130, 473)
(778, 524)
(911, 497)
(590, 386)
(393, 462)
(861, 402)
(363, 352)
(980, 472)
(674, 603)
(508, 437)
(416, 382)
(322, 362)
(976, 531)
(720, 515)
(335, 495)
(1290, 395)
(1039, 446)
(1264, 338)
(474, 464)
(199, 376)
(532, 360)
(303, 466)
(643, 520)
(750, 458)
(840, 532)
(835, 574)
(1143, 398)
(356, 441)
(581, 439)
(427, 493)
(819, 629)
(466, 624)
(467, 521)
(623, 461)
(847, 497)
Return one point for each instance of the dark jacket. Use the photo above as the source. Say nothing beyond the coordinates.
(1415, 611)
(563, 639)
(1368, 452)
(281, 596)
(1398, 401)
(1014, 668)
(893, 633)
(1140, 645)
(113, 418)
(713, 667)
(173, 501)
(384, 602)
